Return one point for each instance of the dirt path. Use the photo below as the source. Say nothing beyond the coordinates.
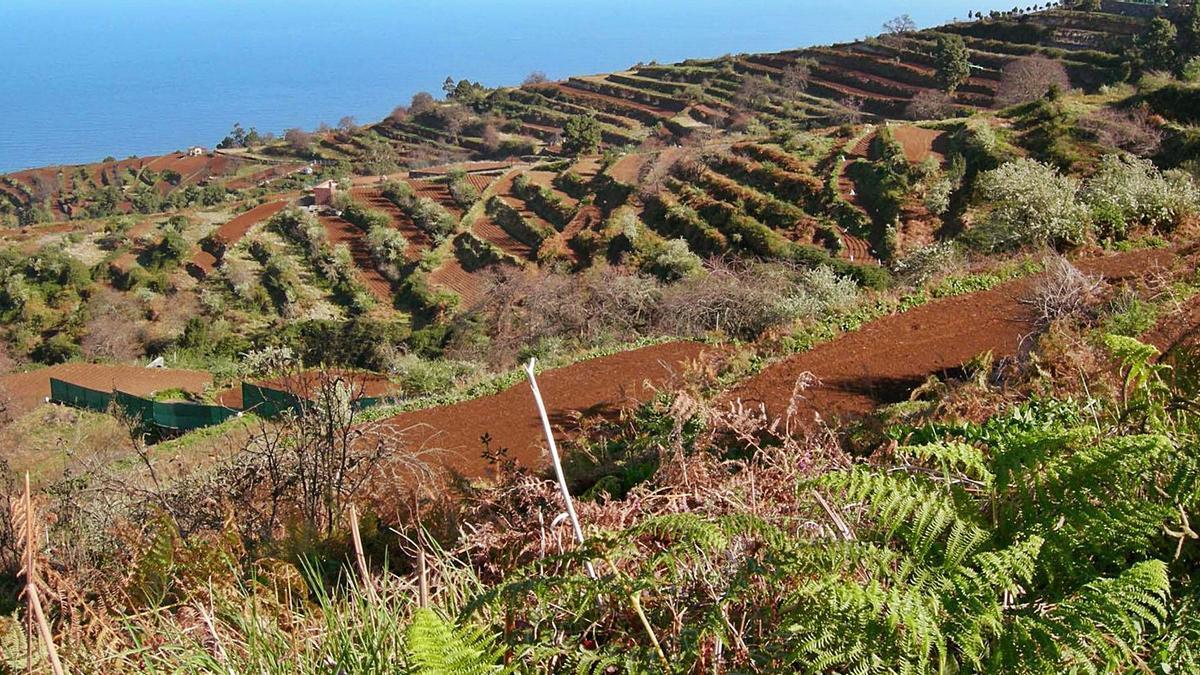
(597, 386)
(883, 361)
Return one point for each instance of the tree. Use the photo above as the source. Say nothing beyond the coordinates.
(1191, 31)
(490, 137)
(113, 329)
(899, 25)
(1088, 6)
(952, 61)
(536, 77)
(298, 139)
(347, 124)
(1156, 47)
(236, 138)
(754, 92)
(1030, 78)
(794, 79)
(930, 104)
(581, 135)
(422, 102)
(448, 86)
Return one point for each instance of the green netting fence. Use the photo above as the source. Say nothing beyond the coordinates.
(181, 415)
(269, 402)
(79, 397)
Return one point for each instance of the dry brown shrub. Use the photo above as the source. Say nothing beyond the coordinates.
(114, 330)
(515, 520)
(1029, 78)
(1132, 130)
(929, 104)
(1062, 292)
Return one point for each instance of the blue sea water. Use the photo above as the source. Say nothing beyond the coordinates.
(82, 79)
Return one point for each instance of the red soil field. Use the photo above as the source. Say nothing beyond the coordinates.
(918, 142)
(343, 232)
(627, 168)
(589, 216)
(363, 384)
(232, 232)
(27, 390)
(489, 231)
(587, 167)
(438, 192)
(883, 361)
(1178, 330)
(451, 275)
(600, 386)
(576, 92)
(480, 181)
(856, 248)
(203, 262)
(31, 231)
(418, 239)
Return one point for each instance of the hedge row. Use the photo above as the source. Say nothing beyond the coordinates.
(515, 225)
(543, 201)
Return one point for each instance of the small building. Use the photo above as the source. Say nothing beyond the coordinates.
(194, 151)
(323, 192)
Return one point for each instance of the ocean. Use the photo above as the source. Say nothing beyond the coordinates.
(81, 79)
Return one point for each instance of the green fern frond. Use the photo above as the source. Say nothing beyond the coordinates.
(951, 458)
(682, 530)
(1097, 629)
(436, 646)
(1136, 357)
(904, 506)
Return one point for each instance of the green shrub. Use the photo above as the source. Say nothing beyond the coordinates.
(461, 190)
(674, 260)
(1029, 204)
(1127, 189)
(388, 247)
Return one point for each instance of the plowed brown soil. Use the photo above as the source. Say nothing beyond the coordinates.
(918, 142)
(362, 383)
(418, 239)
(600, 386)
(883, 361)
(27, 390)
(1177, 330)
(232, 232)
(469, 286)
(342, 232)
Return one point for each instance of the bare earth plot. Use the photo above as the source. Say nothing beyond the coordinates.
(27, 390)
(883, 361)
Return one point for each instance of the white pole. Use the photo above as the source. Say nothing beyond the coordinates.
(558, 470)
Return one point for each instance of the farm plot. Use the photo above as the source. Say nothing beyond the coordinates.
(342, 232)
(27, 390)
(600, 386)
(861, 370)
(229, 234)
(306, 384)
(919, 143)
(451, 275)
(418, 239)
